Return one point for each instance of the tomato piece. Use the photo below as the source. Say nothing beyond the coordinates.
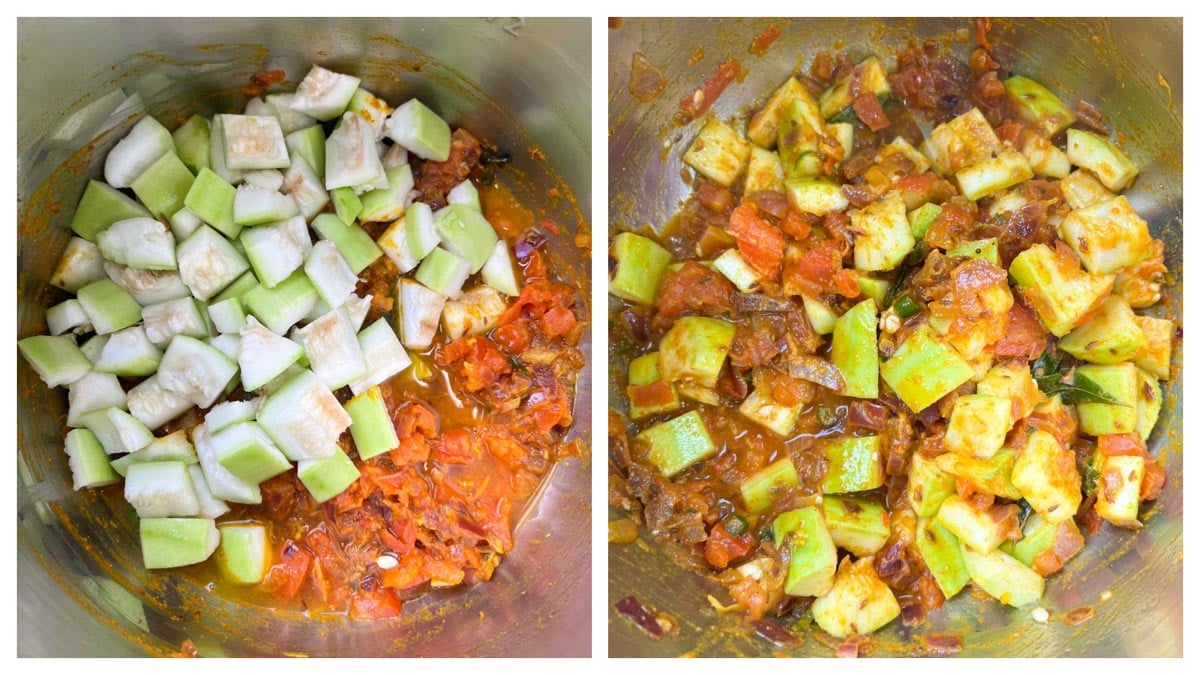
(919, 183)
(751, 595)
(410, 573)
(513, 338)
(1026, 337)
(696, 288)
(374, 601)
(508, 451)
(1153, 480)
(846, 283)
(696, 102)
(722, 547)
(763, 41)
(415, 424)
(481, 364)
(953, 225)
(656, 393)
(796, 225)
(454, 447)
(284, 578)
(759, 242)
(1009, 132)
(535, 267)
(548, 416)
(558, 321)
(815, 268)
(1115, 445)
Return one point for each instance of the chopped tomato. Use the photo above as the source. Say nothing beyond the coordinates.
(654, 394)
(1009, 132)
(846, 283)
(1153, 480)
(454, 447)
(696, 288)
(480, 363)
(548, 416)
(696, 102)
(410, 573)
(513, 338)
(1026, 337)
(955, 223)
(537, 298)
(415, 424)
(284, 578)
(558, 321)
(813, 271)
(759, 242)
(374, 601)
(1114, 445)
(763, 41)
(508, 451)
(722, 547)
(534, 267)
(1047, 563)
(751, 595)
(919, 183)
(796, 225)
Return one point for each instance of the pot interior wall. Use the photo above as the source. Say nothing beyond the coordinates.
(81, 85)
(1131, 70)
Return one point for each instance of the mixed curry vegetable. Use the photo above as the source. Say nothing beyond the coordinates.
(328, 284)
(869, 365)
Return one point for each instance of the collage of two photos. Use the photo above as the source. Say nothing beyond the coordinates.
(312, 356)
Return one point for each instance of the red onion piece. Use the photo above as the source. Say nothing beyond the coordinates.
(867, 415)
(847, 650)
(640, 615)
(943, 644)
(530, 243)
(773, 632)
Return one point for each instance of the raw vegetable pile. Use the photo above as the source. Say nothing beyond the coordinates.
(903, 338)
(252, 347)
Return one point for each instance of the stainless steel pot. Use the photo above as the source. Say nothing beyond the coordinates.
(1132, 70)
(81, 85)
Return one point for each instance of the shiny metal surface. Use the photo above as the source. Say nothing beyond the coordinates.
(518, 83)
(1132, 70)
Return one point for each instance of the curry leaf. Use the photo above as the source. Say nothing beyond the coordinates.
(1052, 379)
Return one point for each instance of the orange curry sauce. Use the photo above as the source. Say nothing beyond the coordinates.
(481, 420)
